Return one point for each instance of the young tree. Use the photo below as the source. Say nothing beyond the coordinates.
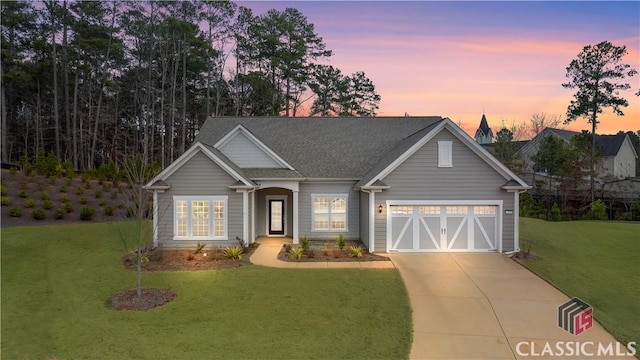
(505, 150)
(541, 121)
(596, 74)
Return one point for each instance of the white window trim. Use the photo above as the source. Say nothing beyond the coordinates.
(445, 153)
(211, 200)
(346, 213)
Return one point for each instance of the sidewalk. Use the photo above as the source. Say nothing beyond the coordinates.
(267, 255)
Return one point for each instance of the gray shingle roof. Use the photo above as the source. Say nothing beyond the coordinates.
(609, 145)
(341, 148)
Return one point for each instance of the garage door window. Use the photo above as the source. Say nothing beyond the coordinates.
(484, 210)
(429, 210)
(457, 210)
(402, 210)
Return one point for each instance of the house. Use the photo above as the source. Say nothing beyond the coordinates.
(617, 152)
(484, 135)
(396, 183)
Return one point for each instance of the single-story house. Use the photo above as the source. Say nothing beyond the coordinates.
(396, 183)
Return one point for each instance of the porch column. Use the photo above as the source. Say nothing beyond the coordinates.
(516, 220)
(245, 216)
(372, 221)
(253, 217)
(295, 217)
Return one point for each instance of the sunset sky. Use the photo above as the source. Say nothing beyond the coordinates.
(457, 59)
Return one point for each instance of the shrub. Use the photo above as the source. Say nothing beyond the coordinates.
(87, 213)
(44, 195)
(80, 191)
(47, 204)
(555, 212)
(304, 243)
(85, 176)
(13, 171)
(29, 203)
(199, 248)
(84, 200)
(15, 212)
(87, 184)
(52, 180)
(98, 194)
(108, 211)
(42, 185)
(296, 253)
(355, 251)
(64, 198)
(3, 190)
(341, 242)
(23, 194)
(63, 188)
(38, 214)
(59, 214)
(102, 202)
(233, 253)
(68, 181)
(599, 211)
(5, 201)
(68, 207)
(107, 186)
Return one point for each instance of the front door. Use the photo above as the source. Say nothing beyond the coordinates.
(276, 217)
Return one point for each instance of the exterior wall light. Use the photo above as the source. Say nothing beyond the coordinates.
(380, 209)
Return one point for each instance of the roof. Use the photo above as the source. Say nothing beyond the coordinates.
(609, 145)
(349, 146)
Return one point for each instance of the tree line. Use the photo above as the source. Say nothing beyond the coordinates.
(95, 81)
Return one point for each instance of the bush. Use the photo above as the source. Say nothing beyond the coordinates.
(108, 211)
(87, 184)
(68, 207)
(59, 214)
(555, 212)
(85, 176)
(29, 203)
(233, 253)
(355, 251)
(98, 194)
(52, 180)
(598, 211)
(341, 242)
(63, 188)
(304, 243)
(13, 171)
(15, 212)
(42, 185)
(80, 191)
(107, 186)
(47, 204)
(84, 200)
(68, 181)
(199, 248)
(102, 202)
(87, 213)
(23, 194)
(44, 195)
(5, 201)
(3, 190)
(38, 214)
(64, 198)
(296, 253)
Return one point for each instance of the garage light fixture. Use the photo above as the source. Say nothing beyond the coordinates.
(380, 209)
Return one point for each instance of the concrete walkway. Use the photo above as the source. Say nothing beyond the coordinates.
(486, 306)
(267, 255)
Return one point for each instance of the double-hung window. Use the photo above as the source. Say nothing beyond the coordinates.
(329, 212)
(200, 217)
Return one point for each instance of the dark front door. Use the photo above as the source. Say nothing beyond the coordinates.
(276, 217)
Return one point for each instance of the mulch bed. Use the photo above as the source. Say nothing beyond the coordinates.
(149, 299)
(329, 254)
(185, 260)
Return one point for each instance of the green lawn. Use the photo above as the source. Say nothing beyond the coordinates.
(598, 262)
(56, 281)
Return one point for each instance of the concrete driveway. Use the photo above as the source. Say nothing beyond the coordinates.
(486, 306)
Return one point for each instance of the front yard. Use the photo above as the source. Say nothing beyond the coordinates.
(56, 281)
(598, 262)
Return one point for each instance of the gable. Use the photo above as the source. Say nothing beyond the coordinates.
(458, 137)
(247, 151)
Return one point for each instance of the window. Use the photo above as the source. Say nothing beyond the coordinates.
(484, 210)
(445, 149)
(429, 210)
(200, 217)
(402, 210)
(457, 210)
(329, 212)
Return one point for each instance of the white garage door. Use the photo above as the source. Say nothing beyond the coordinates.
(443, 227)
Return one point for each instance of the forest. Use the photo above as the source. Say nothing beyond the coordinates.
(92, 82)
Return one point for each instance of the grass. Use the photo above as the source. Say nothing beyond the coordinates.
(56, 281)
(598, 262)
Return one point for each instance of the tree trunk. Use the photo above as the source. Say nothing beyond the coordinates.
(65, 82)
(54, 59)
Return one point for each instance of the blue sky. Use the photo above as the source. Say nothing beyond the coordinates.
(457, 58)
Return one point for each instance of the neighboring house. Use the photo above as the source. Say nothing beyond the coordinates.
(617, 153)
(484, 135)
(396, 183)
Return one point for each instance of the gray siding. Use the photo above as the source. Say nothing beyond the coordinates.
(244, 153)
(420, 178)
(305, 211)
(199, 176)
(262, 213)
